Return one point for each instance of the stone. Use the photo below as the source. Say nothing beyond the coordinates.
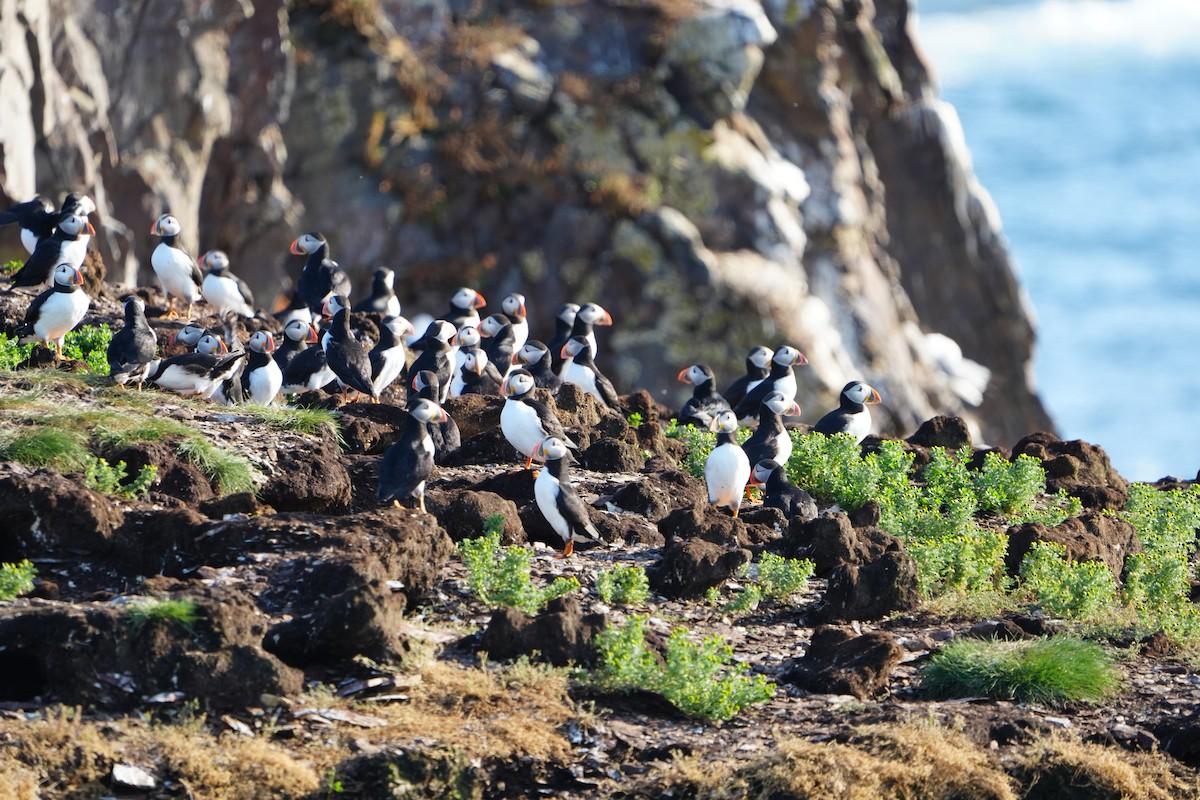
(1092, 536)
(560, 634)
(1077, 467)
(176, 476)
(950, 433)
(831, 541)
(466, 513)
(311, 479)
(871, 591)
(645, 497)
(613, 455)
(46, 514)
(703, 522)
(839, 662)
(689, 568)
(474, 413)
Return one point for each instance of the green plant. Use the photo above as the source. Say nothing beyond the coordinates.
(16, 579)
(60, 449)
(12, 352)
(185, 612)
(499, 575)
(89, 344)
(698, 444)
(1075, 589)
(1054, 671)
(109, 479)
(634, 419)
(9, 267)
(1157, 579)
(312, 421)
(700, 679)
(231, 472)
(778, 578)
(623, 586)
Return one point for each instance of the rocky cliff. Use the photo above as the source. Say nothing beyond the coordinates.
(718, 173)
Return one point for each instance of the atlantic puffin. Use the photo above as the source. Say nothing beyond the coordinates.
(36, 219)
(321, 275)
(295, 309)
(383, 300)
(579, 369)
(389, 356)
(705, 403)
(779, 492)
(588, 317)
(564, 321)
(557, 498)
(261, 379)
(480, 375)
(67, 244)
(194, 374)
(727, 470)
(308, 370)
(446, 436)
(186, 337)
(437, 354)
(348, 359)
(758, 363)
(297, 336)
(179, 274)
(467, 340)
(781, 378)
(770, 439)
(499, 341)
(54, 312)
(408, 463)
(464, 308)
(535, 357)
(223, 290)
(228, 390)
(132, 348)
(513, 307)
(525, 421)
(852, 415)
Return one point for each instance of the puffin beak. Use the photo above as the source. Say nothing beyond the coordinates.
(874, 398)
(76, 277)
(224, 347)
(793, 410)
(442, 416)
(91, 231)
(520, 357)
(506, 389)
(754, 480)
(478, 366)
(325, 310)
(270, 343)
(479, 301)
(154, 229)
(454, 340)
(563, 352)
(313, 336)
(800, 359)
(683, 375)
(200, 259)
(521, 311)
(713, 424)
(408, 329)
(605, 320)
(295, 248)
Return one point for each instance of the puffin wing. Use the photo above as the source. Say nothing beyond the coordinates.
(551, 424)
(37, 267)
(571, 506)
(836, 421)
(34, 311)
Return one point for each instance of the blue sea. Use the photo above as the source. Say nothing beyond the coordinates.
(1083, 121)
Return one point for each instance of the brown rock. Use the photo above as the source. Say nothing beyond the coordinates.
(871, 591)
(613, 455)
(646, 497)
(1090, 537)
(176, 476)
(309, 478)
(47, 514)
(704, 522)
(950, 433)
(831, 541)
(466, 514)
(1081, 469)
(838, 662)
(561, 634)
(691, 567)
(474, 413)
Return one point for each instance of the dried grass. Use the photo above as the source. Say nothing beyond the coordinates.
(1060, 769)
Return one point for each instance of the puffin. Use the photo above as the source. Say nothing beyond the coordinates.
(297, 336)
(67, 244)
(179, 274)
(524, 421)
(536, 358)
(36, 218)
(727, 470)
(407, 464)
(223, 290)
(500, 344)
(194, 374)
(445, 435)
(705, 403)
(348, 359)
(261, 379)
(779, 492)
(758, 363)
(557, 499)
(228, 390)
(464, 308)
(589, 316)
(770, 439)
(132, 348)
(781, 378)
(321, 276)
(480, 375)
(187, 337)
(383, 300)
(465, 341)
(437, 356)
(852, 415)
(513, 307)
(308, 370)
(579, 369)
(564, 321)
(54, 312)
(390, 354)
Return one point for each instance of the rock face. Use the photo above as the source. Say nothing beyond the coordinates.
(789, 163)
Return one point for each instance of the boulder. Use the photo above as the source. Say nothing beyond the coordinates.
(831, 541)
(689, 568)
(370, 428)
(871, 591)
(950, 433)
(474, 414)
(1092, 536)
(47, 515)
(839, 662)
(704, 522)
(613, 455)
(560, 634)
(464, 515)
(176, 476)
(308, 478)
(1077, 467)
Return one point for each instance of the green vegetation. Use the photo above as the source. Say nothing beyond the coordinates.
(231, 472)
(185, 612)
(1074, 589)
(16, 579)
(310, 421)
(699, 444)
(701, 680)
(89, 344)
(500, 576)
(1054, 671)
(109, 479)
(12, 353)
(623, 586)
(779, 578)
(60, 449)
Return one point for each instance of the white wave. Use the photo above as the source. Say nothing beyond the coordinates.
(963, 45)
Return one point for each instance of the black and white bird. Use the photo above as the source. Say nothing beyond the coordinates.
(781, 378)
(480, 376)
(446, 436)
(588, 317)
(771, 439)
(727, 470)
(223, 290)
(349, 360)
(383, 300)
(852, 415)
(513, 307)
(525, 421)
(467, 340)
(179, 274)
(187, 337)
(464, 308)
(297, 336)
(557, 498)
(499, 341)
(407, 464)
(67, 244)
(758, 364)
(132, 348)
(36, 218)
(437, 355)
(705, 402)
(536, 358)
(564, 321)
(228, 391)
(295, 309)
(579, 369)
(321, 276)
(261, 378)
(389, 356)
(779, 492)
(194, 374)
(54, 312)
(307, 371)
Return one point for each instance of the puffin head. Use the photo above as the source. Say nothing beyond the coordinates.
(567, 312)
(135, 305)
(187, 336)
(476, 361)
(333, 304)
(762, 471)
(74, 224)
(307, 243)
(518, 384)
(212, 345)
(551, 449)
(300, 331)
(67, 275)
(760, 356)
(166, 225)
(385, 276)
(215, 261)
(593, 314)
(861, 393)
(724, 422)
(788, 356)
(466, 298)
(696, 374)
(531, 353)
(781, 405)
(467, 336)
(514, 306)
(261, 342)
(399, 326)
(428, 411)
(574, 346)
(492, 324)
(425, 379)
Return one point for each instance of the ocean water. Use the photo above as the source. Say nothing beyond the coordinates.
(1083, 121)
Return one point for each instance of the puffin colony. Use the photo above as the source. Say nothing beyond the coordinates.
(459, 352)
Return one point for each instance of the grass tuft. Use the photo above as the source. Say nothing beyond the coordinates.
(63, 450)
(185, 612)
(311, 421)
(231, 472)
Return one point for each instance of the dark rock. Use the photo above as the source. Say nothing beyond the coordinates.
(628, 528)
(1158, 645)
(691, 567)
(1004, 630)
(311, 478)
(646, 497)
(641, 402)
(681, 487)
(474, 413)
(765, 516)
(487, 447)
(1081, 469)
(149, 538)
(871, 591)
(1126, 737)
(465, 514)
(561, 633)
(1091, 537)
(240, 503)
(511, 484)
(46, 514)
(950, 433)
(176, 476)
(838, 662)
(867, 516)
(831, 541)
(704, 522)
(370, 428)
(613, 455)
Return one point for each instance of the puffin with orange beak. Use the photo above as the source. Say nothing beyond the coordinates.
(852, 415)
(348, 359)
(57, 310)
(557, 498)
(179, 274)
(524, 421)
(321, 276)
(705, 402)
(223, 290)
(262, 379)
(586, 319)
(536, 358)
(727, 470)
(513, 307)
(770, 439)
(779, 492)
(464, 309)
(67, 245)
(781, 378)
(579, 368)
(297, 336)
(389, 356)
(446, 436)
(407, 464)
